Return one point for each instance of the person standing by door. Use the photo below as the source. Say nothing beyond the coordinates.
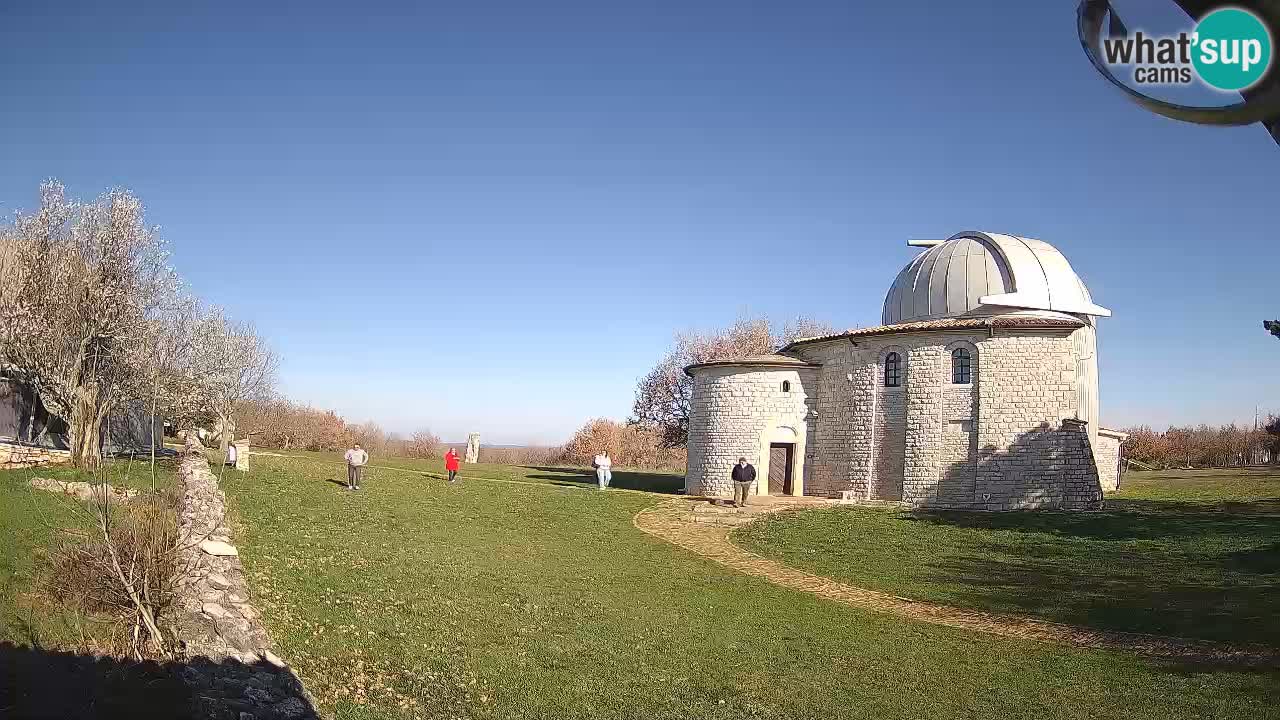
(356, 459)
(744, 475)
(451, 464)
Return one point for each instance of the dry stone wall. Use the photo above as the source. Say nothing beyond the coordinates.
(734, 412)
(233, 670)
(13, 455)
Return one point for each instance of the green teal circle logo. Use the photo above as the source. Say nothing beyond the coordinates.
(1232, 49)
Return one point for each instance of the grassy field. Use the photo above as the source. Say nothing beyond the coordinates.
(659, 482)
(1194, 554)
(531, 596)
(29, 519)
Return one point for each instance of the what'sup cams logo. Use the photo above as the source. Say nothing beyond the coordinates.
(1229, 49)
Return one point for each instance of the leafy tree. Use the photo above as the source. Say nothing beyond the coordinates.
(1272, 326)
(663, 395)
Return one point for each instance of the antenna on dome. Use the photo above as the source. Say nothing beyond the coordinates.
(915, 242)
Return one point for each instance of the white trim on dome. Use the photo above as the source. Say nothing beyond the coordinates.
(1042, 277)
(976, 273)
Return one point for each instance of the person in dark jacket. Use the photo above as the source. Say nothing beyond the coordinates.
(744, 474)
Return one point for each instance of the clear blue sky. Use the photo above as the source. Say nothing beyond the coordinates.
(493, 216)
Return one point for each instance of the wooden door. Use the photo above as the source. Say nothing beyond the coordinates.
(780, 459)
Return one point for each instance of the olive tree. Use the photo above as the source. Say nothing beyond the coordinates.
(80, 286)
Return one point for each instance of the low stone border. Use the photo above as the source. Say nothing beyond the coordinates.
(675, 522)
(15, 455)
(81, 490)
(233, 671)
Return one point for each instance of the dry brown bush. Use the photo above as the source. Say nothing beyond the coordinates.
(423, 444)
(628, 445)
(281, 424)
(124, 571)
(1204, 445)
(533, 455)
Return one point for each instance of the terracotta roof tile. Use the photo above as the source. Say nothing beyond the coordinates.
(1007, 321)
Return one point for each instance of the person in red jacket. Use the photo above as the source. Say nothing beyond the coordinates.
(451, 464)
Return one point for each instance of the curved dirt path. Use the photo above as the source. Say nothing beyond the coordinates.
(673, 521)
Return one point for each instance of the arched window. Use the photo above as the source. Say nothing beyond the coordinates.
(786, 386)
(893, 370)
(961, 367)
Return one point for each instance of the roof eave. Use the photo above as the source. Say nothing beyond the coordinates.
(1024, 323)
(688, 370)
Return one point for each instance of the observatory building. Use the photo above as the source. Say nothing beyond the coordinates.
(979, 391)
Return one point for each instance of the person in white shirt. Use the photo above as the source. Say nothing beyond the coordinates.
(603, 466)
(356, 458)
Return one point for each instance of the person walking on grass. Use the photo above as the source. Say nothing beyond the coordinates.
(451, 464)
(604, 469)
(744, 475)
(356, 459)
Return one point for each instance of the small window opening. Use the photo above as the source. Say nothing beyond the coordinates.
(786, 386)
(893, 370)
(961, 367)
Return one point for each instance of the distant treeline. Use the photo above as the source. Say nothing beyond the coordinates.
(1204, 445)
(628, 445)
(285, 425)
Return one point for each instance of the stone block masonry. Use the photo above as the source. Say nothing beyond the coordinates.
(738, 413)
(1108, 454)
(1014, 437)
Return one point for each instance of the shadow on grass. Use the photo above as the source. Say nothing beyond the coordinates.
(37, 684)
(1123, 520)
(1156, 567)
(622, 479)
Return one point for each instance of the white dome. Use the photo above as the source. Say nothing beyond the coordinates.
(976, 273)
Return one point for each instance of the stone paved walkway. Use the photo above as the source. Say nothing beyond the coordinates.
(676, 522)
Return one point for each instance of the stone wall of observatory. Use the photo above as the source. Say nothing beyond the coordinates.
(737, 412)
(1028, 456)
(998, 443)
(1108, 454)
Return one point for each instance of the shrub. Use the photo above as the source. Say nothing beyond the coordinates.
(126, 570)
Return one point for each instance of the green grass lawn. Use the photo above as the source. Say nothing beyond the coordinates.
(1194, 554)
(29, 520)
(660, 482)
(537, 598)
